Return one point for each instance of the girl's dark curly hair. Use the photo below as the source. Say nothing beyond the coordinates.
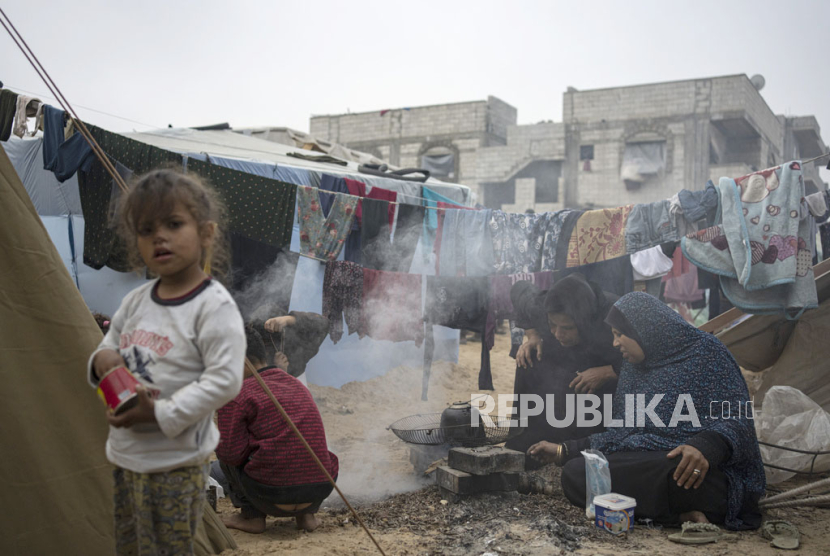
(154, 195)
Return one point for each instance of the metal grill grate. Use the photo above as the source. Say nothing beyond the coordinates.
(426, 429)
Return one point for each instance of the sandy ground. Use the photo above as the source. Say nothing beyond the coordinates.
(407, 516)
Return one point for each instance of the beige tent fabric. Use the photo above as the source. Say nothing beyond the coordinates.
(758, 342)
(212, 537)
(56, 481)
(789, 353)
(805, 362)
(54, 475)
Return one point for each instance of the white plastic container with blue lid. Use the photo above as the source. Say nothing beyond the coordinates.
(614, 512)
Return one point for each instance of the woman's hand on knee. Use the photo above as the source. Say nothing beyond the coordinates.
(544, 451)
(692, 468)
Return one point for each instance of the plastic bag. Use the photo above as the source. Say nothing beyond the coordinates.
(790, 418)
(597, 479)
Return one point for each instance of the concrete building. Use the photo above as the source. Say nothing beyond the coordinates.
(614, 146)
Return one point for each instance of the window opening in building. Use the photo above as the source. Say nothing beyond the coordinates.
(440, 161)
(641, 162)
(586, 152)
(586, 155)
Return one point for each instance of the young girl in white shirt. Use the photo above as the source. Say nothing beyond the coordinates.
(182, 336)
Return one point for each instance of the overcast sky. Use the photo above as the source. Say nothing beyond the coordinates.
(261, 63)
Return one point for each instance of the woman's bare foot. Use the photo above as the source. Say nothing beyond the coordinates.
(255, 525)
(307, 522)
(693, 516)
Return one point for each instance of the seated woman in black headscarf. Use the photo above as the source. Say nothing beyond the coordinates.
(695, 457)
(568, 350)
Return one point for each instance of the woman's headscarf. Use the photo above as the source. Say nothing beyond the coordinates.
(680, 359)
(587, 305)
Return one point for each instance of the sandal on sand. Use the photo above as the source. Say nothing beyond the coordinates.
(781, 534)
(697, 533)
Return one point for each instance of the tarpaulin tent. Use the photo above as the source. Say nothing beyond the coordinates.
(57, 483)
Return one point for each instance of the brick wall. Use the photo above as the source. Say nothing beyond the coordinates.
(626, 103)
(491, 149)
(524, 143)
(426, 121)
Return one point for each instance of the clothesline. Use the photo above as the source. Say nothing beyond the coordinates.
(816, 158)
(460, 207)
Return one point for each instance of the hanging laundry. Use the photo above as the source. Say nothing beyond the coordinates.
(650, 263)
(466, 247)
(63, 156)
(529, 243)
(8, 107)
(375, 236)
(262, 280)
(342, 297)
(698, 205)
(599, 235)
(501, 306)
(96, 187)
(517, 242)
(684, 288)
(614, 275)
(680, 264)
(431, 200)
(824, 234)
(407, 233)
(258, 208)
(817, 203)
(25, 107)
(99, 195)
(684, 227)
(323, 237)
(352, 250)
(391, 197)
(331, 183)
(761, 247)
(563, 244)
(440, 214)
(392, 304)
(358, 189)
(550, 226)
(249, 258)
(650, 225)
(447, 248)
(408, 193)
(458, 303)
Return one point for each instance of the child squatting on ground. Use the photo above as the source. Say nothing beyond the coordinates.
(261, 463)
(182, 336)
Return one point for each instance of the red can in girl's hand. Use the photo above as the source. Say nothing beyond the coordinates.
(117, 389)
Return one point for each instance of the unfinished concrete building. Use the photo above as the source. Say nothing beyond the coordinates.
(614, 146)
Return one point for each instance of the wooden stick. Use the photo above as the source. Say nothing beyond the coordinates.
(299, 435)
